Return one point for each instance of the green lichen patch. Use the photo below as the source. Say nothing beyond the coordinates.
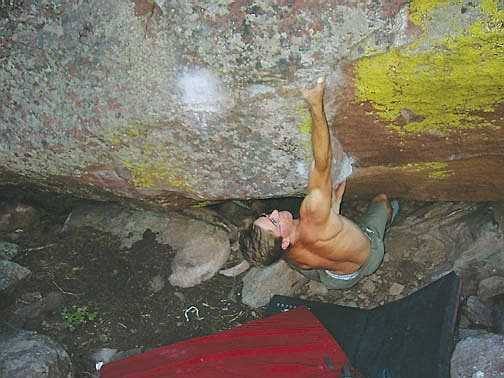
(433, 170)
(201, 204)
(133, 130)
(155, 174)
(494, 10)
(419, 9)
(140, 148)
(305, 125)
(450, 86)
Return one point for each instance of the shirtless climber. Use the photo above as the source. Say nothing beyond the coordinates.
(322, 244)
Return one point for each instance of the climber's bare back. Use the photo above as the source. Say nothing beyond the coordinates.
(337, 244)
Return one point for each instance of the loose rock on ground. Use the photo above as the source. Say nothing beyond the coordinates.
(25, 354)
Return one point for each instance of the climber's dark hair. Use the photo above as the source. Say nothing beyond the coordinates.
(260, 247)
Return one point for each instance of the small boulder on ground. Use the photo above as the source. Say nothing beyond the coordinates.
(260, 284)
(8, 250)
(15, 215)
(200, 259)
(156, 283)
(28, 314)
(396, 289)
(491, 287)
(478, 356)
(478, 313)
(11, 274)
(105, 355)
(25, 354)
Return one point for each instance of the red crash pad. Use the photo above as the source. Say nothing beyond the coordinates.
(289, 344)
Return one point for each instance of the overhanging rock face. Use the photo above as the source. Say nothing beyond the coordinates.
(184, 103)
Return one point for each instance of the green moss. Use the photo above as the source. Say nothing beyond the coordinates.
(451, 86)
(433, 170)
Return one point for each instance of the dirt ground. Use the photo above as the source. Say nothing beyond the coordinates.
(109, 300)
(115, 306)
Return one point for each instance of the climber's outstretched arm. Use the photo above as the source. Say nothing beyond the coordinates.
(317, 204)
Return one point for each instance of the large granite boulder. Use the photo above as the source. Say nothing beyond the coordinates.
(178, 103)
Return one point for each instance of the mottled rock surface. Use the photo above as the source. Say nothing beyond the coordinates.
(478, 313)
(10, 274)
(29, 311)
(261, 284)
(200, 258)
(478, 356)
(25, 354)
(491, 287)
(8, 250)
(179, 103)
(448, 236)
(16, 216)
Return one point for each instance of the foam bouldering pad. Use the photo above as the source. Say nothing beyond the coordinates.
(290, 344)
(412, 337)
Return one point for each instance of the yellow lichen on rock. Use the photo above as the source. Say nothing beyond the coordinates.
(451, 85)
(140, 150)
(420, 9)
(155, 175)
(305, 125)
(201, 204)
(432, 169)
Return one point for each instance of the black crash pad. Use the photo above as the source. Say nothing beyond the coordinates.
(409, 338)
